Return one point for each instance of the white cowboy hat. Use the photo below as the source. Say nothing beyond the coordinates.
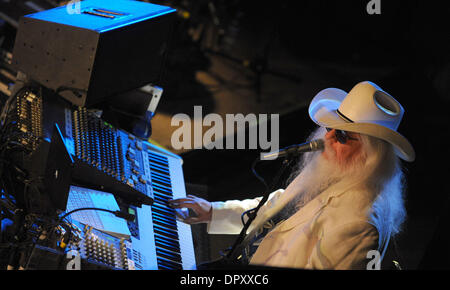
(366, 109)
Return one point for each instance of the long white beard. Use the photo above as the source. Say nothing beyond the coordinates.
(317, 175)
(383, 188)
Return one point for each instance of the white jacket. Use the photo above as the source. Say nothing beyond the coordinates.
(332, 231)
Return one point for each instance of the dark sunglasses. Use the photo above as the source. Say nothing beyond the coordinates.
(341, 136)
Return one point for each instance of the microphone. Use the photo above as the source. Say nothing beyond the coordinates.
(294, 150)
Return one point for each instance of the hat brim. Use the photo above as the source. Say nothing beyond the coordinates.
(323, 111)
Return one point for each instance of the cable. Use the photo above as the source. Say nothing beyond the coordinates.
(285, 164)
(256, 161)
(237, 246)
(117, 213)
(260, 178)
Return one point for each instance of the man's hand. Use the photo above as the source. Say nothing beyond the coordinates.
(201, 207)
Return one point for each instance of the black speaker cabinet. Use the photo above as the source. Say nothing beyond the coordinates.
(93, 49)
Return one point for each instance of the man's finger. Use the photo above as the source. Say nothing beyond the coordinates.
(178, 203)
(179, 200)
(191, 205)
(191, 220)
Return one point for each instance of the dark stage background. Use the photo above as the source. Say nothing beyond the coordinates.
(406, 49)
(295, 49)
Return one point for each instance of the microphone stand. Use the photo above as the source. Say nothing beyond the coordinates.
(233, 256)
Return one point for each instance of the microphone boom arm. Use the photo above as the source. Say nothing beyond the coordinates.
(294, 150)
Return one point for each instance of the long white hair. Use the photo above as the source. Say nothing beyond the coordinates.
(386, 181)
(378, 172)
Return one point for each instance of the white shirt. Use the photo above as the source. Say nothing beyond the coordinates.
(332, 231)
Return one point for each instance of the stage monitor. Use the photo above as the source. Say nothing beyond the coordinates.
(99, 49)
